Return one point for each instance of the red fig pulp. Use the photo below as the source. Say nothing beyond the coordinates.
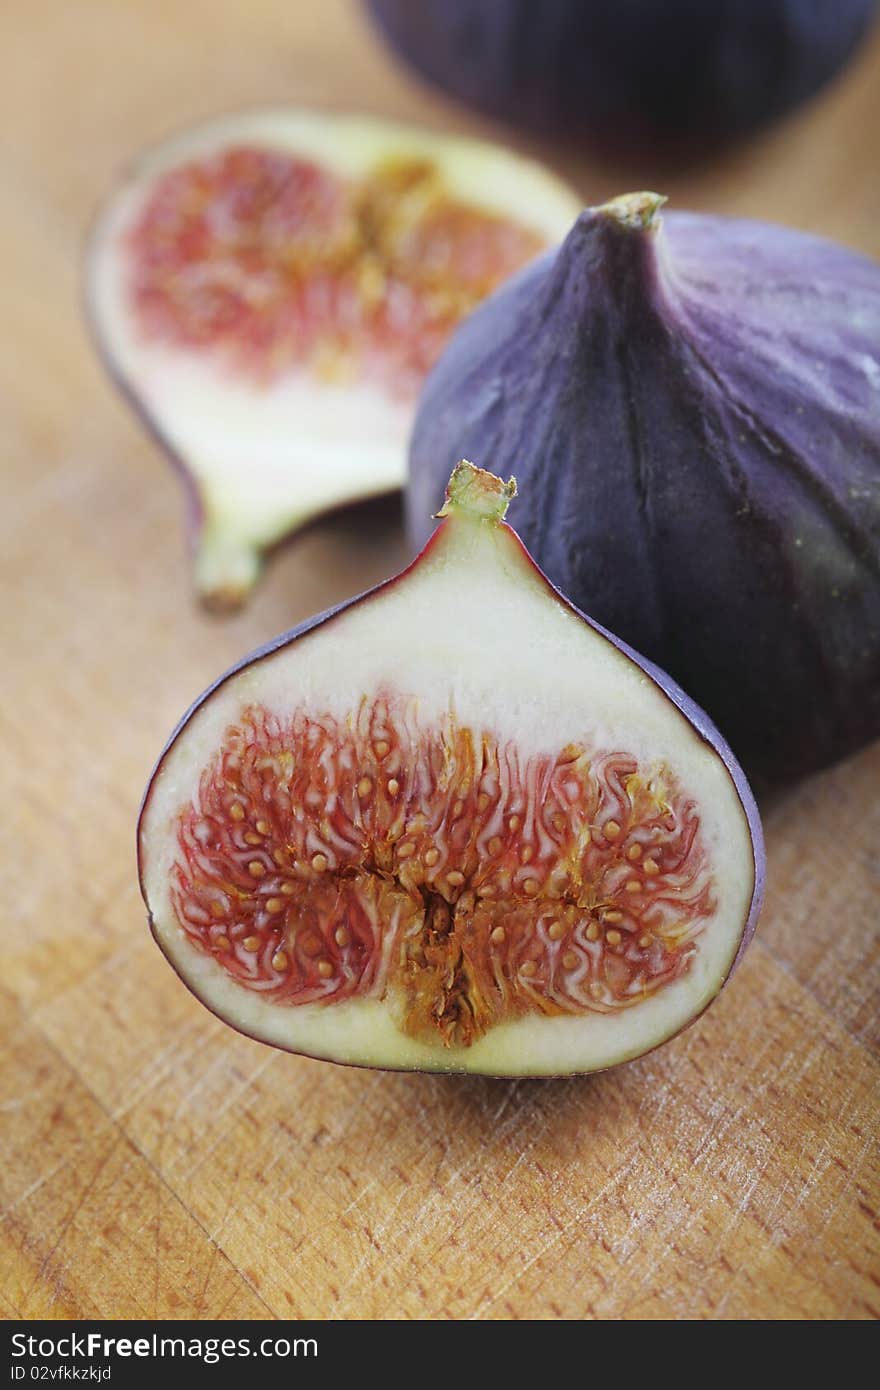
(452, 825)
(270, 291)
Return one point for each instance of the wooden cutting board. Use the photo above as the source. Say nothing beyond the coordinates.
(153, 1162)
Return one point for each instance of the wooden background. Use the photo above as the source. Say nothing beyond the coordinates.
(153, 1163)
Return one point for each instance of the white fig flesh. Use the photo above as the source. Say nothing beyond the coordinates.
(251, 283)
(452, 826)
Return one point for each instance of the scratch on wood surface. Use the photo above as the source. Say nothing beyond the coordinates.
(92, 1126)
(578, 1217)
(359, 1196)
(202, 1300)
(514, 1278)
(157, 1258)
(77, 1207)
(9, 1208)
(165, 1060)
(375, 1238)
(506, 1099)
(231, 1100)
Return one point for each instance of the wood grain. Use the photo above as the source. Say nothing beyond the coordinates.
(153, 1163)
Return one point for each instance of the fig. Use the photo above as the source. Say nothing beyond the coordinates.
(692, 405)
(269, 291)
(452, 825)
(678, 78)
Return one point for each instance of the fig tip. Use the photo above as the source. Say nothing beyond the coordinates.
(634, 211)
(477, 493)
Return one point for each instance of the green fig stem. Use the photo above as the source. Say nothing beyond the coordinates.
(475, 493)
(636, 211)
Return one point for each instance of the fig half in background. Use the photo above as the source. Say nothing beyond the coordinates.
(675, 76)
(693, 409)
(269, 291)
(452, 825)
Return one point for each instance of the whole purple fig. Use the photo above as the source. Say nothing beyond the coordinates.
(693, 408)
(680, 75)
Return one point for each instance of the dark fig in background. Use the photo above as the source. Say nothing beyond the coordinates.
(666, 74)
(269, 290)
(452, 825)
(692, 406)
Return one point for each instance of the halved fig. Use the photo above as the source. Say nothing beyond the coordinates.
(452, 825)
(270, 289)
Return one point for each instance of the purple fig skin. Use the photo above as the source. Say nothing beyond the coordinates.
(682, 76)
(695, 716)
(693, 412)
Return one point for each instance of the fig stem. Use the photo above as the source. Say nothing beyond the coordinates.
(476, 493)
(637, 211)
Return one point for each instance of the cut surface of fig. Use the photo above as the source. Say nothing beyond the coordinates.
(452, 825)
(270, 291)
